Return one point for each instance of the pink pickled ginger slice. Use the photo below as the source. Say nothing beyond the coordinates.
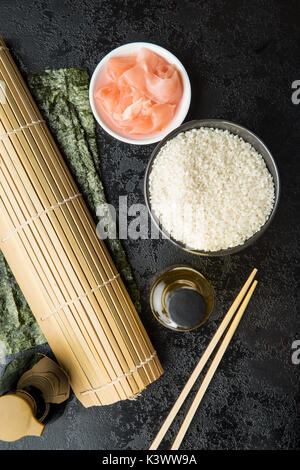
(139, 94)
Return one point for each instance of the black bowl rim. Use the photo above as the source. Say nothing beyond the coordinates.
(197, 123)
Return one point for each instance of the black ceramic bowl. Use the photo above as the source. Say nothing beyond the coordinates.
(248, 136)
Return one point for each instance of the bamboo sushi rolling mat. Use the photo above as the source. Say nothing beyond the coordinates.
(62, 96)
(64, 270)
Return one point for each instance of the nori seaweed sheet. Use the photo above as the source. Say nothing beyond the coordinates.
(62, 97)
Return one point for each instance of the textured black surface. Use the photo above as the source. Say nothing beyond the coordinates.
(242, 58)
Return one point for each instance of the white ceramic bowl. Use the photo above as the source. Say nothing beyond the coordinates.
(183, 106)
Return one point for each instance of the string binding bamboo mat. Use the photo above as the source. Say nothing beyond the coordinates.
(64, 270)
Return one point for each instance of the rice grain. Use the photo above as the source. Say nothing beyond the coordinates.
(210, 189)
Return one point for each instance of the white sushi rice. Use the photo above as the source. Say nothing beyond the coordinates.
(210, 189)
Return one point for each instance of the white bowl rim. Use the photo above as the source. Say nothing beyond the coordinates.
(185, 100)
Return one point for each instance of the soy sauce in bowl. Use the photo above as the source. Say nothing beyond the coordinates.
(181, 298)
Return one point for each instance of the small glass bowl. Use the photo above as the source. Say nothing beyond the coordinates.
(249, 137)
(173, 279)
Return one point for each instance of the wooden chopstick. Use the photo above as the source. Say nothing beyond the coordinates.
(212, 369)
(195, 374)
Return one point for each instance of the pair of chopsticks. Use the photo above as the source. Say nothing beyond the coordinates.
(243, 294)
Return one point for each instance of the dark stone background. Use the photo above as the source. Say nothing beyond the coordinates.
(242, 57)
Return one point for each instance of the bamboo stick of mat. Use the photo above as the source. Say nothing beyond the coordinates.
(67, 276)
(202, 362)
(212, 369)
